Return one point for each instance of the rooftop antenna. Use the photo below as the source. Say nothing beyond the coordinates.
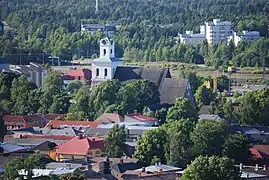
(96, 5)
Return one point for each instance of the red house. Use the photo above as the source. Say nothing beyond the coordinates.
(80, 147)
(78, 74)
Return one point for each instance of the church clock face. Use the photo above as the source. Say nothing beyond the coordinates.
(104, 42)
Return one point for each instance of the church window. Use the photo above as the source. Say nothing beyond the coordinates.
(97, 72)
(104, 52)
(105, 72)
(111, 51)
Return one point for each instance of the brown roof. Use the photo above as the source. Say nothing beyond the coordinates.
(33, 120)
(57, 123)
(263, 149)
(53, 116)
(141, 117)
(109, 118)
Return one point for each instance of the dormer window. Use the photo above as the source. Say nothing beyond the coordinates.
(104, 52)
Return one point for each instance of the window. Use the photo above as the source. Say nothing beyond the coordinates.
(104, 52)
(97, 72)
(105, 72)
(97, 153)
(111, 51)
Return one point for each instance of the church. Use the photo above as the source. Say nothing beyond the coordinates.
(108, 67)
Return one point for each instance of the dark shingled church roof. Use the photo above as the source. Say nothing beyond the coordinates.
(169, 88)
(128, 73)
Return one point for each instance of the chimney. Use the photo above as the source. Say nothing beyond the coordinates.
(256, 167)
(264, 167)
(135, 111)
(121, 161)
(80, 136)
(143, 169)
(51, 126)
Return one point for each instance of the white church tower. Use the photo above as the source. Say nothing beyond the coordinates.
(104, 67)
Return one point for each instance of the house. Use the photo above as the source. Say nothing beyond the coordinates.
(80, 147)
(140, 118)
(106, 28)
(108, 67)
(28, 121)
(109, 118)
(260, 152)
(84, 75)
(4, 64)
(46, 148)
(34, 72)
(77, 125)
(192, 39)
(255, 133)
(6, 148)
(248, 36)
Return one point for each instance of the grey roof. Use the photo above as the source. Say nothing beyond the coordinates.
(171, 89)
(128, 73)
(209, 117)
(60, 131)
(95, 131)
(158, 167)
(204, 110)
(32, 141)
(55, 165)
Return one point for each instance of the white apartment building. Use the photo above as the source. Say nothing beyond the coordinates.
(191, 39)
(244, 36)
(216, 31)
(34, 72)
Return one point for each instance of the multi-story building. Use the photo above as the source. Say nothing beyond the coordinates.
(192, 39)
(244, 36)
(216, 31)
(105, 28)
(34, 72)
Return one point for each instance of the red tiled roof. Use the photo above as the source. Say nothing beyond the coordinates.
(109, 118)
(57, 123)
(255, 153)
(32, 120)
(141, 117)
(80, 145)
(86, 73)
(263, 149)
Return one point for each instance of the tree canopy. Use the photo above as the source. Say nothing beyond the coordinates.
(211, 168)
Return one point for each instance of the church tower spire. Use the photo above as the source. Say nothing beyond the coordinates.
(104, 67)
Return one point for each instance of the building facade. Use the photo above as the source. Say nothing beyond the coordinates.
(104, 67)
(244, 36)
(34, 72)
(105, 28)
(216, 31)
(192, 39)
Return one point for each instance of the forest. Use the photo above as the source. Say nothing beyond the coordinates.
(37, 29)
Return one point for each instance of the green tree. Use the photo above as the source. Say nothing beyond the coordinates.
(208, 137)
(182, 110)
(254, 107)
(115, 141)
(73, 86)
(178, 148)
(61, 103)
(211, 168)
(236, 146)
(151, 146)
(223, 83)
(19, 95)
(204, 96)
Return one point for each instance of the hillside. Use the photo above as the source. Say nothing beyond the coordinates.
(147, 31)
